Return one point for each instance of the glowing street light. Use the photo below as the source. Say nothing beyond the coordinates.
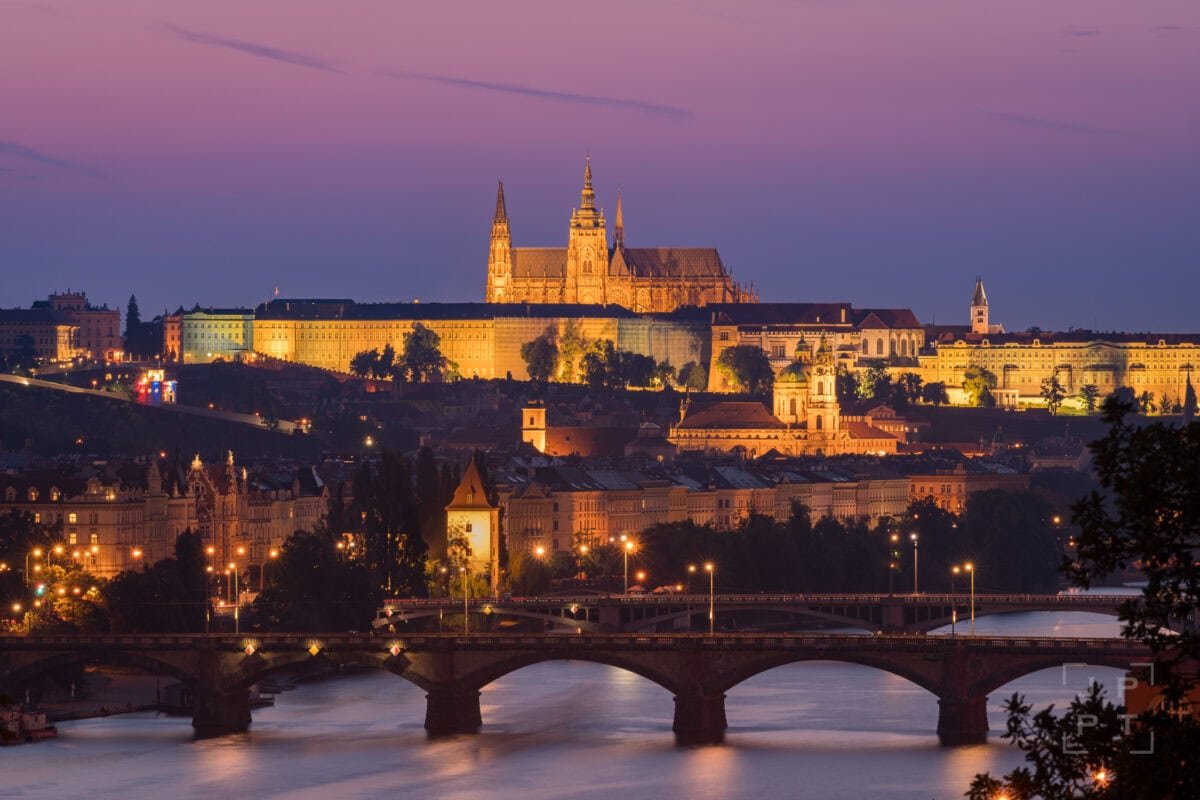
(691, 570)
(711, 569)
(954, 570)
(915, 571)
(626, 550)
(34, 553)
(893, 559)
(272, 554)
(970, 568)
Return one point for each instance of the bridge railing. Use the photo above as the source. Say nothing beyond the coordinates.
(367, 641)
(648, 600)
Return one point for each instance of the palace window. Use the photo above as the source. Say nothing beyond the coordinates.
(468, 528)
(72, 518)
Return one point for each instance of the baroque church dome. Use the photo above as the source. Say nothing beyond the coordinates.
(793, 373)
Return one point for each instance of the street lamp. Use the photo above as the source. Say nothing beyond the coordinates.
(691, 570)
(915, 571)
(466, 612)
(954, 570)
(626, 551)
(272, 554)
(970, 568)
(237, 597)
(711, 569)
(893, 562)
(35, 553)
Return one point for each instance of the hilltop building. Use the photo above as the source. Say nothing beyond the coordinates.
(892, 336)
(807, 418)
(589, 271)
(1157, 365)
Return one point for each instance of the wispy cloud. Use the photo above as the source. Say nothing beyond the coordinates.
(29, 154)
(552, 95)
(1081, 31)
(1051, 124)
(254, 49)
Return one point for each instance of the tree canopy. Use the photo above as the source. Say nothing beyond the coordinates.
(747, 366)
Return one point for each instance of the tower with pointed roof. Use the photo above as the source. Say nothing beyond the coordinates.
(587, 247)
(979, 308)
(499, 279)
(473, 523)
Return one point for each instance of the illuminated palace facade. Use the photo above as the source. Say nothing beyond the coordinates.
(589, 271)
(483, 339)
(1159, 364)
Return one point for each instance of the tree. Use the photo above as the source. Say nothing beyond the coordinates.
(693, 376)
(934, 393)
(911, 384)
(1145, 512)
(313, 586)
(384, 362)
(540, 356)
(977, 384)
(571, 347)
(1053, 392)
(1089, 395)
(362, 363)
(875, 383)
(747, 366)
(133, 317)
(1189, 402)
(422, 357)
(1145, 402)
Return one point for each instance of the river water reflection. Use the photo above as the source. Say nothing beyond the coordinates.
(558, 731)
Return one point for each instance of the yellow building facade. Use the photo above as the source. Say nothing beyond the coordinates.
(483, 340)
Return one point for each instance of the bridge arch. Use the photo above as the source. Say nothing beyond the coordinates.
(29, 669)
(1001, 674)
(491, 672)
(928, 679)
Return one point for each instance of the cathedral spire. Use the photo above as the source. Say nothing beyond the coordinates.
(588, 200)
(501, 211)
(619, 229)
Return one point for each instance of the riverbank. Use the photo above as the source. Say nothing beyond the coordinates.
(104, 692)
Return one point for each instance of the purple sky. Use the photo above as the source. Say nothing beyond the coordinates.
(875, 151)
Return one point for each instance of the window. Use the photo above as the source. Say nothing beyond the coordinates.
(93, 538)
(72, 518)
(72, 538)
(33, 494)
(468, 527)
(778, 351)
(723, 336)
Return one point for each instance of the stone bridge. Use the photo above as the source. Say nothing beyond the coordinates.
(697, 669)
(672, 612)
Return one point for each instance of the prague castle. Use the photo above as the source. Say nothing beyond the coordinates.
(589, 271)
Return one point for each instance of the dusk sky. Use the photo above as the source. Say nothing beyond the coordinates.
(882, 152)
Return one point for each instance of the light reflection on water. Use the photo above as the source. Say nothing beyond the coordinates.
(556, 731)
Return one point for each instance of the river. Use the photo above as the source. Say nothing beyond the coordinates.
(558, 731)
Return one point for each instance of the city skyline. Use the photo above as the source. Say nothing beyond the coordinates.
(832, 152)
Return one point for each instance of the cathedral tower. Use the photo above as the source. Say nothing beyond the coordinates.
(824, 412)
(587, 248)
(499, 277)
(979, 308)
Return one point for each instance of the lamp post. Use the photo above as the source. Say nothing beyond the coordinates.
(237, 597)
(626, 550)
(272, 554)
(954, 570)
(208, 579)
(691, 570)
(893, 558)
(915, 564)
(970, 567)
(35, 553)
(711, 569)
(466, 619)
